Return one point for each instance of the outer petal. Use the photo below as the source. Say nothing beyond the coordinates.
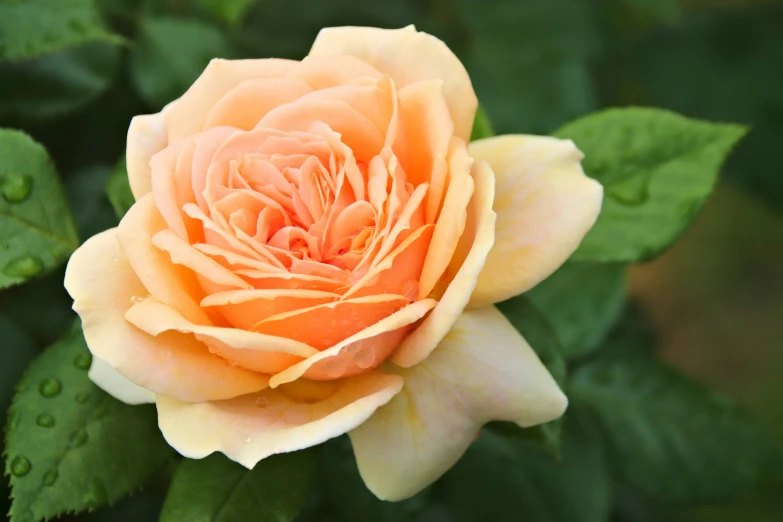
(252, 427)
(483, 370)
(545, 206)
(104, 287)
(147, 135)
(407, 56)
(112, 382)
(461, 275)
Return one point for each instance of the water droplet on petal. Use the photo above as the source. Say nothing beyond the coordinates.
(82, 397)
(49, 387)
(247, 440)
(20, 466)
(79, 439)
(364, 358)
(137, 299)
(83, 361)
(23, 266)
(50, 477)
(15, 187)
(45, 420)
(262, 402)
(334, 366)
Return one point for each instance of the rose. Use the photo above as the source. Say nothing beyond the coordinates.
(311, 253)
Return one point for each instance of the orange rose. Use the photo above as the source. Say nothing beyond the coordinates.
(311, 254)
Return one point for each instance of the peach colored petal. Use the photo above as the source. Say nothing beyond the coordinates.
(172, 284)
(327, 324)
(374, 343)
(462, 274)
(483, 370)
(172, 186)
(250, 428)
(147, 135)
(275, 281)
(115, 384)
(322, 72)
(245, 308)
(244, 105)
(545, 206)
(407, 56)
(207, 144)
(104, 286)
(451, 221)
(187, 115)
(253, 351)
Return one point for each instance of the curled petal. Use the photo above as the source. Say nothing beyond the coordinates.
(147, 135)
(115, 384)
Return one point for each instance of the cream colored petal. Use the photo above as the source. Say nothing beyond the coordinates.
(407, 56)
(252, 427)
(188, 114)
(483, 370)
(545, 206)
(103, 287)
(115, 384)
(461, 275)
(147, 135)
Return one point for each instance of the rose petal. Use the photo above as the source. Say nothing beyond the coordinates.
(322, 72)
(482, 371)
(545, 206)
(461, 275)
(147, 135)
(253, 427)
(115, 384)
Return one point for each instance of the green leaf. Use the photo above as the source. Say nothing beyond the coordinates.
(482, 126)
(533, 326)
(86, 190)
(37, 232)
(666, 10)
(118, 189)
(18, 350)
(582, 301)
(501, 478)
(668, 435)
(229, 11)
(71, 447)
(657, 169)
(58, 82)
(216, 489)
(171, 53)
(32, 28)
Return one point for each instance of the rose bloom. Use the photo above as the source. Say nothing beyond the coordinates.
(315, 249)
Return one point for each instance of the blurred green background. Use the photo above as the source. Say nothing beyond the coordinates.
(716, 298)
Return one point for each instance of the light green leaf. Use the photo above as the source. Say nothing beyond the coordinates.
(171, 53)
(229, 11)
(668, 435)
(657, 168)
(501, 478)
(37, 232)
(582, 301)
(482, 126)
(118, 189)
(71, 447)
(216, 489)
(32, 28)
(533, 326)
(58, 82)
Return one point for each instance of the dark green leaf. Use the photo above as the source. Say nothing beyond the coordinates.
(657, 169)
(58, 82)
(171, 53)
(229, 11)
(71, 447)
(118, 189)
(32, 28)
(37, 232)
(669, 436)
(666, 10)
(482, 126)
(216, 489)
(582, 301)
(502, 478)
(91, 207)
(18, 350)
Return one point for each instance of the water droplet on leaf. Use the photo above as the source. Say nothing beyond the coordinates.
(49, 387)
(50, 477)
(20, 466)
(83, 361)
(79, 439)
(45, 420)
(23, 266)
(82, 397)
(16, 187)
(13, 420)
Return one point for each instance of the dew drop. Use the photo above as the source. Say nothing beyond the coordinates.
(49, 387)
(13, 420)
(247, 440)
(96, 495)
(20, 466)
(83, 361)
(45, 420)
(262, 402)
(364, 358)
(137, 299)
(16, 187)
(50, 477)
(23, 266)
(79, 439)
(334, 366)
(82, 397)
